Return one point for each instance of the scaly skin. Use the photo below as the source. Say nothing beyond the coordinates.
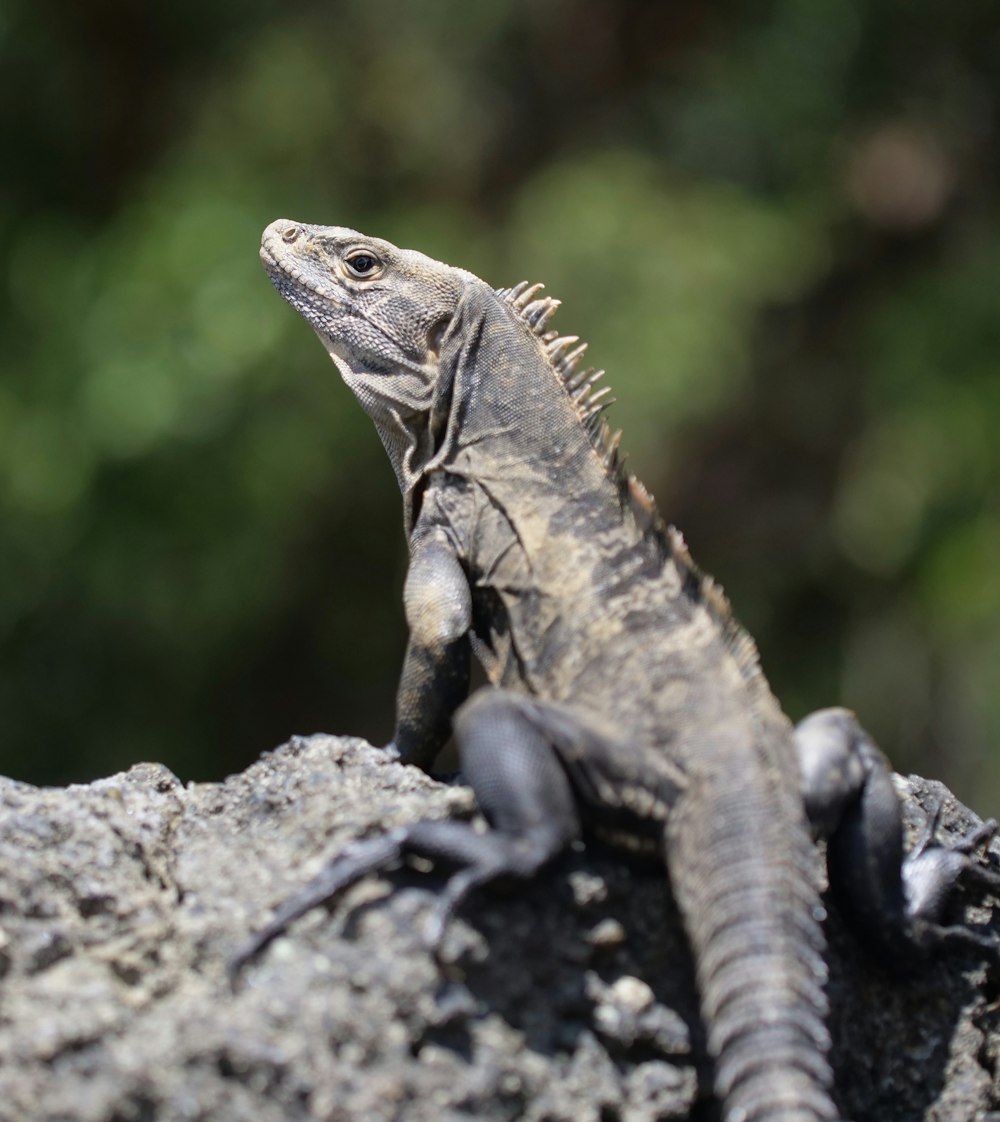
(624, 699)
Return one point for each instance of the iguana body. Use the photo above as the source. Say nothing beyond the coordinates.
(624, 699)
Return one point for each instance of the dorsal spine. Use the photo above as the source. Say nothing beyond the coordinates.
(564, 354)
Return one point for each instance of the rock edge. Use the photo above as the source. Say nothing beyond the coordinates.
(568, 998)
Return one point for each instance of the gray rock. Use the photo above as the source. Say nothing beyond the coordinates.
(568, 998)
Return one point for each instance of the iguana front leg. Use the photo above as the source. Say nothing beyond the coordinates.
(435, 676)
(897, 903)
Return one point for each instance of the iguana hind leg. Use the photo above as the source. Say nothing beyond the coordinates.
(522, 791)
(896, 901)
(521, 788)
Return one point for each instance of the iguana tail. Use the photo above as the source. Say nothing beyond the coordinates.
(741, 868)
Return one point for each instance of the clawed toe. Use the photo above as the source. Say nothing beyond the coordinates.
(931, 873)
(933, 936)
(983, 834)
(448, 903)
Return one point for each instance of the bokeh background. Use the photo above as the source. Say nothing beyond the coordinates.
(778, 224)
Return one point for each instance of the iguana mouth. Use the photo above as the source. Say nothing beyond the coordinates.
(267, 257)
(292, 283)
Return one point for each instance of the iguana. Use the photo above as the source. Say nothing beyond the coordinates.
(624, 699)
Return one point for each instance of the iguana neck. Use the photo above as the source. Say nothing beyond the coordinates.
(499, 411)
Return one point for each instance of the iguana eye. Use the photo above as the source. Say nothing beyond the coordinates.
(362, 263)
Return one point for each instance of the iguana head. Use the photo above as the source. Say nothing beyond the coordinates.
(418, 340)
(380, 312)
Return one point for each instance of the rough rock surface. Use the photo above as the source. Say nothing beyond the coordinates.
(568, 998)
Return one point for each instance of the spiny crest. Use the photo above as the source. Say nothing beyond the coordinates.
(698, 585)
(564, 353)
(703, 588)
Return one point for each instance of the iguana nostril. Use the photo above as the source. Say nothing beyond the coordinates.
(290, 233)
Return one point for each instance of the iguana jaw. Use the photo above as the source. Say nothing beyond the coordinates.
(376, 323)
(300, 279)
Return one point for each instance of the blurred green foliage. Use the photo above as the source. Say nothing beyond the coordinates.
(777, 224)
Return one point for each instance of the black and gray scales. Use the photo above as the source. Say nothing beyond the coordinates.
(624, 700)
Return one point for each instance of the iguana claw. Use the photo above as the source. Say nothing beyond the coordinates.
(932, 872)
